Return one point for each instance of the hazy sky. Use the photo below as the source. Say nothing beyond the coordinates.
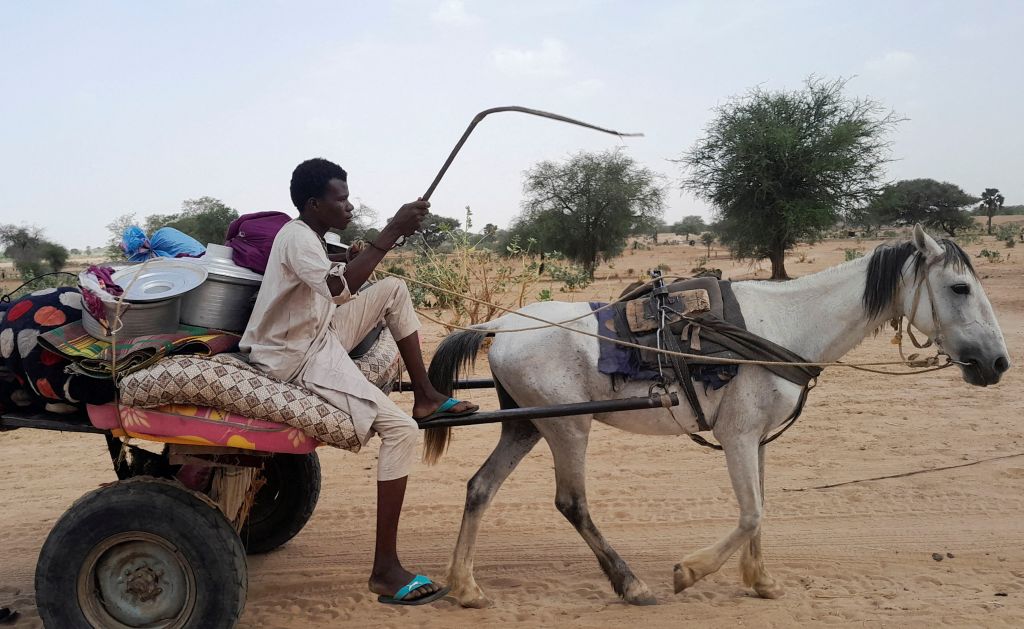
(115, 107)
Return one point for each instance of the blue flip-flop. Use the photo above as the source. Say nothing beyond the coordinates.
(444, 411)
(417, 582)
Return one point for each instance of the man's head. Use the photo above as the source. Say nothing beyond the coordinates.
(319, 190)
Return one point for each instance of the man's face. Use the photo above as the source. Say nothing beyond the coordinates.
(333, 209)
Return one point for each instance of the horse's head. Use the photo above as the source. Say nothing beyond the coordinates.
(943, 298)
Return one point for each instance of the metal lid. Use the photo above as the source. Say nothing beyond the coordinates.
(217, 261)
(334, 240)
(159, 279)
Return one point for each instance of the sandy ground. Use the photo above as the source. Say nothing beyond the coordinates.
(860, 553)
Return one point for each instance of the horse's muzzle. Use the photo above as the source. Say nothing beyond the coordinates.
(981, 371)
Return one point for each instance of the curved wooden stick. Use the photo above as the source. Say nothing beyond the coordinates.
(524, 110)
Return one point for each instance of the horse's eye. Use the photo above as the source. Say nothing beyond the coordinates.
(961, 289)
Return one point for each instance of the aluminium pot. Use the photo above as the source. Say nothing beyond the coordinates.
(225, 300)
(137, 319)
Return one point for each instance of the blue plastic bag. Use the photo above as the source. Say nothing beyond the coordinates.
(166, 242)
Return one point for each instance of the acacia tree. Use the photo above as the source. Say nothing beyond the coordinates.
(586, 206)
(935, 204)
(689, 225)
(782, 166)
(991, 202)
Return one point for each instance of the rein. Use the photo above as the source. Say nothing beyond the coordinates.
(921, 366)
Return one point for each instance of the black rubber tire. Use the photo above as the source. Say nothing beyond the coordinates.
(189, 522)
(284, 504)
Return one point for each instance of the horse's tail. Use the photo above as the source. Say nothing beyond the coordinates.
(454, 356)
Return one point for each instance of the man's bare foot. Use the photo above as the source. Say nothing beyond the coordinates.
(428, 403)
(390, 581)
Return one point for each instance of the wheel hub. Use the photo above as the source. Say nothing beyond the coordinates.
(136, 579)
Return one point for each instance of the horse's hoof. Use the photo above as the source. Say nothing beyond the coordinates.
(769, 590)
(473, 600)
(637, 593)
(683, 577)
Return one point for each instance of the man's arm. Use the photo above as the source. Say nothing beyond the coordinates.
(404, 223)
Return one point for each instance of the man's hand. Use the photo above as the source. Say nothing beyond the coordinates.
(355, 249)
(405, 223)
(409, 217)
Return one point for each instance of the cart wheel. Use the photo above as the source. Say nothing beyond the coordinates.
(284, 504)
(143, 552)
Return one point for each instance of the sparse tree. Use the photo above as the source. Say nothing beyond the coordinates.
(689, 225)
(363, 219)
(116, 230)
(31, 253)
(708, 239)
(780, 167)
(992, 202)
(587, 206)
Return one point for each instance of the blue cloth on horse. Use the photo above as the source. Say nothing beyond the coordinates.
(616, 360)
(624, 362)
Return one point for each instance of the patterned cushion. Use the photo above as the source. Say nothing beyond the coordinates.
(381, 364)
(228, 384)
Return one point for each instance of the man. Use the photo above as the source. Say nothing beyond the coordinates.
(308, 312)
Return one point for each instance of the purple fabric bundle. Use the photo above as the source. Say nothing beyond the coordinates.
(251, 236)
(624, 362)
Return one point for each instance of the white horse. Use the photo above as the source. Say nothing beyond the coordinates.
(820, 317)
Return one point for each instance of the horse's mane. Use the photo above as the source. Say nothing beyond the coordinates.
(885, 271)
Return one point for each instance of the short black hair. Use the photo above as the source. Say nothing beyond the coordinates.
(310, 179)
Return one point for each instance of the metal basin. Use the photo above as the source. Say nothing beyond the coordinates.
(221, 303)
(156, 317)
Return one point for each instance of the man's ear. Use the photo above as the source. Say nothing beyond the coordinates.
(926, 244)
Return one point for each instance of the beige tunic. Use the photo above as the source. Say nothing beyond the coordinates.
(291, 333)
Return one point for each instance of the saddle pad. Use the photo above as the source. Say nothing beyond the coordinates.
(642, 316)
(227, 384)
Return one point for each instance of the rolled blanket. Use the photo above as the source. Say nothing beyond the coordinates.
(92, 356)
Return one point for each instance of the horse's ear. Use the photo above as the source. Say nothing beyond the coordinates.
(926, 244)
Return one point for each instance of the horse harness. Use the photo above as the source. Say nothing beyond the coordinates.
(703, 313)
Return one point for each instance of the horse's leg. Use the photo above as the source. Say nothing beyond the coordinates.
(568, 442)
(517, 439)
(752, 568)
(741, 455)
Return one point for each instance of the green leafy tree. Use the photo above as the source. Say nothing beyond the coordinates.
(708, 239)
(586, 206)
(689, 225)
(490, 231)
(991, 201)
(780, 167)
(116, 229)
(363, 219)
(935, 204)
(31, 253)
(435, 230)
(206, 219)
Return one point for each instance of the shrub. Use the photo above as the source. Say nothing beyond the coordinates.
(992, 256)
(573, 276)
(853, 254)
(544, 295)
